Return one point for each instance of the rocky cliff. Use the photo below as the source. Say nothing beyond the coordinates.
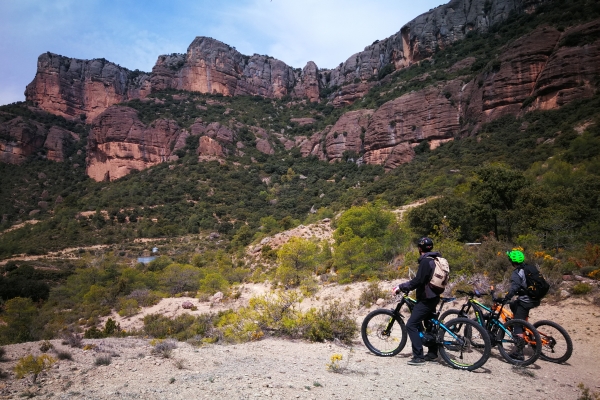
(544, 69)
(75, 88)
(21, 138)
(120, 143)
(72, 87)
(419, 38)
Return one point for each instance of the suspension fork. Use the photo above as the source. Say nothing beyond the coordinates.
(397, 314)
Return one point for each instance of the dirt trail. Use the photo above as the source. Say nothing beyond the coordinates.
(282, 369)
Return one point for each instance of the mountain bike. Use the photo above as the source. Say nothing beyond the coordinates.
(384, 333)
(557, 346)
(517, 349)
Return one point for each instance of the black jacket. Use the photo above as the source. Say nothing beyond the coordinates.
(424, 274)
(518, 284)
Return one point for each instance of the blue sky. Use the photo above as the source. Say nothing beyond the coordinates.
(134, 33)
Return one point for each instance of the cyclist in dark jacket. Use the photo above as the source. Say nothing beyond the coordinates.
(427, 301)
(521, 306)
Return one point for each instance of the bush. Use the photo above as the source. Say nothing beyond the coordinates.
(586, 271)
(164, 348)
(64, 355)
(94, 333)
(71, 339)
(371, 294)
(103, 360)
(182, 327)
(581, 288)
(46, 346)
(31, 364)
(334, 321)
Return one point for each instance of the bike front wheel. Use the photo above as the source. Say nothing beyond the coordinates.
(557, 345)
(383, 333)
(464, 344)
(519, 342)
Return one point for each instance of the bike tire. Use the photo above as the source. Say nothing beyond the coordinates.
(557, 345)
(456, 344)
(529, 346)
(450, 314)
(376, 336)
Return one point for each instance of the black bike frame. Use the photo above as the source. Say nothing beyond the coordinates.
(410, 303)
(481, 311)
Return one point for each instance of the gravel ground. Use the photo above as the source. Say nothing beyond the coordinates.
(282, 369)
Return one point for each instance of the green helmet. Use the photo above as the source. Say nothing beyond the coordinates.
(516, 256)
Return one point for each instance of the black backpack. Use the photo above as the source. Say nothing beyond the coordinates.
(537, 286)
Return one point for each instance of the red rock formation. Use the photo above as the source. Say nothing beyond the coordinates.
(518, 69)
(347, 134)
(56, 141)
(19, 139)
(70, 87)
(210, 147)
(348, 94)
(119, 143)
(425, 115)
(571, 71)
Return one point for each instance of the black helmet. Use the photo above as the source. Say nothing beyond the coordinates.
(425, 244)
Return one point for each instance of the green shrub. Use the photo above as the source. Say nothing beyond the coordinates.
(46, 346)
(64, 355)
(182, 327)
(371, 294)
(128, 307)
(334, 321)
(585, 271)
(103, 360)
(164, 348)
(581, 288)
(94, 333)
(31, 364)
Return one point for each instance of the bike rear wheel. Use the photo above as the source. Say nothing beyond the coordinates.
(383, 333)
(557, 346)
(519, 350)
(464, 344)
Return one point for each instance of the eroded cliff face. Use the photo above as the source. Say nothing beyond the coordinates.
(419, 38)
(74, 88)
(542, 70)
(20, 139)
(120, 143)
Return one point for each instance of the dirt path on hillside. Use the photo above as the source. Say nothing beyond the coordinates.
(282, 369)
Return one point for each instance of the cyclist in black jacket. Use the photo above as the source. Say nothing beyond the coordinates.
(427, 301)
(521, 306)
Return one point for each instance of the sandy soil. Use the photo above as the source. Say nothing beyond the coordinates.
(283, 369)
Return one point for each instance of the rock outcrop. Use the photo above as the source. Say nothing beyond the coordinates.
(119, 143)
(419, 38)
(544, 69)
(75, 88)
(20, 138)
